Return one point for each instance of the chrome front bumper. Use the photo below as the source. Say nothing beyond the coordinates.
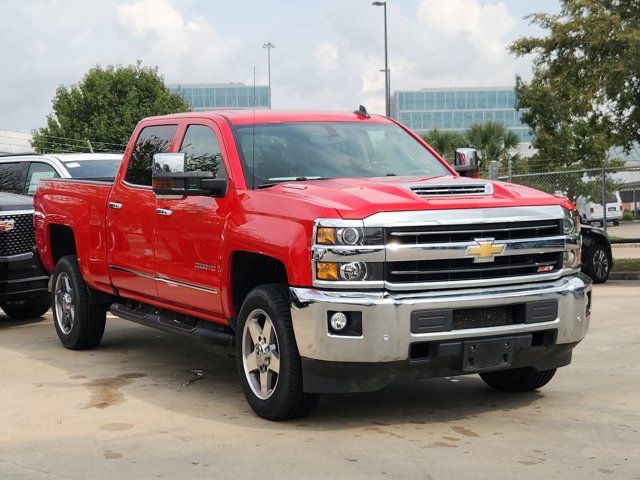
(386, 333)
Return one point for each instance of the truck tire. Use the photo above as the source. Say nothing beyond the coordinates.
(518, 379)
(616, 223)
(267, 356)
(79, 323)
(598, 265)
(25, 309)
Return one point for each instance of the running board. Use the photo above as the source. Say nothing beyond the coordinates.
(208, 332)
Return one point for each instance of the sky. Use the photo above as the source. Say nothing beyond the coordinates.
(328, 53)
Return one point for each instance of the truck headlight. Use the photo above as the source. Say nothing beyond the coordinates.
(353, 271)
(571, 222)
(348, 271)
(348, 236)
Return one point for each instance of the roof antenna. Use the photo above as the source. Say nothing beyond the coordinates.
(362, 112)
(253, 135)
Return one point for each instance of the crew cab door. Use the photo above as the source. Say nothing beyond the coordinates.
(189, 230)
(131, 217)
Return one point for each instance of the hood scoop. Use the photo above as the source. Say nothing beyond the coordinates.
(451, 189)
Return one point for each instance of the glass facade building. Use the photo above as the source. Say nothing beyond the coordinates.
(457, 109)
(228, 96)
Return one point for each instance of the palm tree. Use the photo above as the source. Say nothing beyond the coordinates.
(493, 141)
(445, 142)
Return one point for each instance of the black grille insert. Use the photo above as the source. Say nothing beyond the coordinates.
(20, 238)
(422, 271)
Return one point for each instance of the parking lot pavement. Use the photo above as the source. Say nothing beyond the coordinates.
(625, 230)
(120, 411)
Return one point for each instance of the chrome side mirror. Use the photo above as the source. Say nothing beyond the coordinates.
(170, 178)
(466, 162)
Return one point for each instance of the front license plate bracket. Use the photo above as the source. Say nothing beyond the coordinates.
(486, 355)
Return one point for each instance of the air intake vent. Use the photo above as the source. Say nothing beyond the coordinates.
(429, 190)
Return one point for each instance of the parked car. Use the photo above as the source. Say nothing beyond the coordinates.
(337, 252)
(23, 281)
(597, 259)
(591, 211)
(21, 173)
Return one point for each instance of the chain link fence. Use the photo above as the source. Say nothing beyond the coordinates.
(607, 197)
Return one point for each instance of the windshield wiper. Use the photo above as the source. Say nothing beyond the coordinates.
(295, 179)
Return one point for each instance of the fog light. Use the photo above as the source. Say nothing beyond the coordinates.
(353, 271)
(338, 321)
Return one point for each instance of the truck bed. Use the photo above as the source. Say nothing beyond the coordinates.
(81, 206)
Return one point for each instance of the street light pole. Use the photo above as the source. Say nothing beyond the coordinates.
(269, 46)
(387, 74)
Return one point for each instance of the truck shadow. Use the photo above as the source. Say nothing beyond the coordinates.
(7, 323)
(154, 367)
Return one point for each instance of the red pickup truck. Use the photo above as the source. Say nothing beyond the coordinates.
(337, 252)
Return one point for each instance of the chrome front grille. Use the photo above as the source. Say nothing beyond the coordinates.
(20, 238)
(469, 233)
(429, 190)
(443, 245)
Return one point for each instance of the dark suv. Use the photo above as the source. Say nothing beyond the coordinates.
(23, 282)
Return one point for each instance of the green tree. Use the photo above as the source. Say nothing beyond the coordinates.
(445, 142)
(585, 95)
(104, 107)
(493, 141)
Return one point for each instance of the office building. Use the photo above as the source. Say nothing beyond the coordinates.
(456, 109)
(227, 96)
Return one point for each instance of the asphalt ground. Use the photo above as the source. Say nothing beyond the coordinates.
(123, 411)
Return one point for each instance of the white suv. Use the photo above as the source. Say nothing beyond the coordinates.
(21, 173)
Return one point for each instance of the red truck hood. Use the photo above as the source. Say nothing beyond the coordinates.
(357, 198)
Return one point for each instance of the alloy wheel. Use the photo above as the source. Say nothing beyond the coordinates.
(600, 263)
(260, 354)
(64, 303)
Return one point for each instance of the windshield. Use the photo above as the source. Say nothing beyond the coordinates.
(93, 169)
(311, 150)
(611, 198)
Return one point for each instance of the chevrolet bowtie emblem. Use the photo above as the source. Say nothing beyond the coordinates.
(6, 225)
(484, 250)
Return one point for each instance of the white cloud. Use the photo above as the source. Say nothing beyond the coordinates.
(487, 26)
(326, 55)
(164, 36)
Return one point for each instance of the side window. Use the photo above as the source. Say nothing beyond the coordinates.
(12, 177)
(202, 150)
(38, 171)
(152, 140)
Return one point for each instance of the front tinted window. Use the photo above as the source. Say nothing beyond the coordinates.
(12, 177)
(202, 150)
(286, 151)
(38, 171)
(152, 140)
(93, 169)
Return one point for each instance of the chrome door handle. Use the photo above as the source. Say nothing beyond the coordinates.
(115, 205)
(163, 211)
